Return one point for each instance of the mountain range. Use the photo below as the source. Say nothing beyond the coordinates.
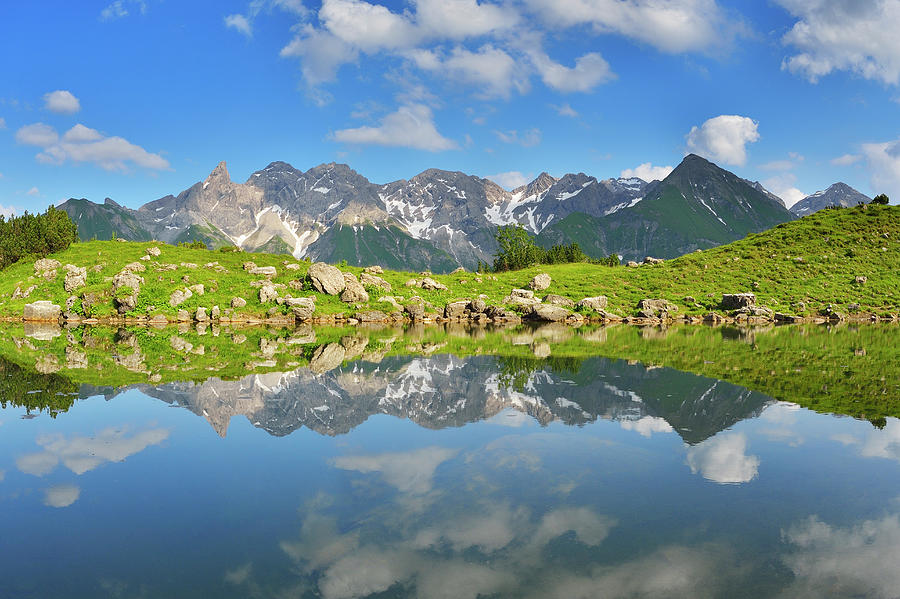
(439, 220)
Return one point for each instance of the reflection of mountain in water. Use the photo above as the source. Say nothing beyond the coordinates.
(445, 390)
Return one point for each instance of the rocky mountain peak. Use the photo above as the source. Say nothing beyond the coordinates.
(838, 194)
(220, 173)
(542, 183)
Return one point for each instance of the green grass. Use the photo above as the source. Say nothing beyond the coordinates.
(797, 268)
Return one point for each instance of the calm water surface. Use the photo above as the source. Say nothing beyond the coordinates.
(444, 476)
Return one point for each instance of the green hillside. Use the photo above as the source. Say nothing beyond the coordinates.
(387, 245)
(104, 221)
(799, 268)
(209, 234)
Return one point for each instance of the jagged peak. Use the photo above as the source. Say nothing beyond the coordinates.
(219, 173)
(539, 185)
(111, 202)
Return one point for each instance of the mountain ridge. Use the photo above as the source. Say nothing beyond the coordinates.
(440, 219)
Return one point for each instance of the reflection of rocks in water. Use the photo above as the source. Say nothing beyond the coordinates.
(327, 357)
(657, 332)
(332, 397)
(42, 331)
(597, 335)
(551, 332)
(46, 364)
(75, 358)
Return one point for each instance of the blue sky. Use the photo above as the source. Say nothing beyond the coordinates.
(136, 99)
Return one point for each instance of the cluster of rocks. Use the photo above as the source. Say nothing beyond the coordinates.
(330, 280)
(648, 260)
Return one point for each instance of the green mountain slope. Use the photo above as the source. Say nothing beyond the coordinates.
(103, 221)
(210, 235)
(386, 245)
(698, 206)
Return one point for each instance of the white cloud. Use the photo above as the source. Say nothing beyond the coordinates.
(845, 160)
(459, 19)
(842, 35)
(34, 192)
(243, 23)
(589, 528)
(119, 9)
(411, 126)
(83, 144)
(2, 123)
(37, 464)
(673, 571)
(723, 459)
(62, 102)
(590, 70)
(369, 27)
(883, 162)
(61, 495)
(529, 138)
(784, 186)
(724, 138)
(321, 54)
(684, 26)
(510, 179)
(491, 70)
(239, 575)
(565, 110)
(856, 561)
(488, 531)
(239, 23)
(37, 134)
(82, 454)
(410, 472)
(647, 425)
(647, 172)
(80, 134)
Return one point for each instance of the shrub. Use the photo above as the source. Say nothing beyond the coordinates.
(193, 245)
(35, 235)
(227, 249)
(517, 249)
(881, 199)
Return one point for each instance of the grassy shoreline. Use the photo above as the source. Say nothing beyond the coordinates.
(846, 260)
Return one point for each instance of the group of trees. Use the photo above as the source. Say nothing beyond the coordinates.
(517, 249)
(35, 235)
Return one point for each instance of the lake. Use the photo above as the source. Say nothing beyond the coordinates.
(450, 462)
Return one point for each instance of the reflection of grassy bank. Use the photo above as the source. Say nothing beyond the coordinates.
(843, 369)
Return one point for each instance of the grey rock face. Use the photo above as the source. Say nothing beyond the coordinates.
(353, 290)
(76, 278)
(651, 308)
(179, 296)
(371, 280)
(540, 282)
(548, 313)
(597, 303)
(558, 300)
(735, 301)
(839, 194)
(302, 307)
(42, 310)
(326, 279)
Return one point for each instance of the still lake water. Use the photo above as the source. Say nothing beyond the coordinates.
(445, 476)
